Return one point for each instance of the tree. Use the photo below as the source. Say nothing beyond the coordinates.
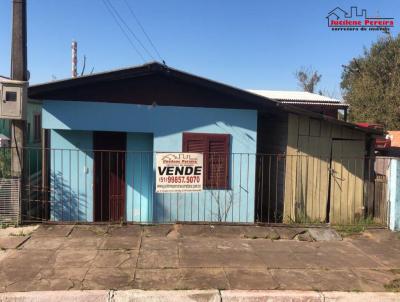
(307, 78)
(371, 84)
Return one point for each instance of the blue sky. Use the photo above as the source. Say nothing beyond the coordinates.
(255, 44)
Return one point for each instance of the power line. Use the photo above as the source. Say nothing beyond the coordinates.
(123, 31)
(130, 30)
(143, 30)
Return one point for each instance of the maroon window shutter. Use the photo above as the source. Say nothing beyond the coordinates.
(194, 142)
(197, 143)
(218, 161)
(215, 149)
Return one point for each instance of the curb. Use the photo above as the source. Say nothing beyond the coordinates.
(271, 296)
(167, 296)
(197, 296)
(50, 296)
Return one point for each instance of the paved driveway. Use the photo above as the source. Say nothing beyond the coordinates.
(64, 257)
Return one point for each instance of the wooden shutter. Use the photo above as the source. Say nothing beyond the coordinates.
(195, 142)
(218, 148)
(215, 149)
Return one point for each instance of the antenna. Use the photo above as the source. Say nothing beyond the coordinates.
(74, 65)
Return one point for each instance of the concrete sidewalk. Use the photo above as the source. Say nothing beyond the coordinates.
(185, 257)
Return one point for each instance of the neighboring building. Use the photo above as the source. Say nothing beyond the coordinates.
(33, 134)
(394, 136)
(129, 114)
(393, 145)
(311, 101)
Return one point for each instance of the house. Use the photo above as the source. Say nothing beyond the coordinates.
(307, 100)
(103, 131)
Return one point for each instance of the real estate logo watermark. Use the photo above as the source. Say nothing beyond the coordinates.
(357, 20)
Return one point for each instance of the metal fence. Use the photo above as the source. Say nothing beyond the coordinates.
(65, 185)
(10, 191)
(9, 201)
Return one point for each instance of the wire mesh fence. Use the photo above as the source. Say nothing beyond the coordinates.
(70, 185)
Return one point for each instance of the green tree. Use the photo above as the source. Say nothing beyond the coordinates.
(371, 84)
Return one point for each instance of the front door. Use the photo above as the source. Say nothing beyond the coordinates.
(346, 181)
(109, 176)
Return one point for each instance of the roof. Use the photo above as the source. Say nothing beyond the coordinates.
(146, 84)
(4, 137)
(3, 77)
(299, 97)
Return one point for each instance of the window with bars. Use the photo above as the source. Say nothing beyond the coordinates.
(37, 127)
(215, 149)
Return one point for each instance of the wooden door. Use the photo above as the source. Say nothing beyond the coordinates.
(109, 176)
(346, 181)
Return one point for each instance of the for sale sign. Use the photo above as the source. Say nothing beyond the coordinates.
(179, 172)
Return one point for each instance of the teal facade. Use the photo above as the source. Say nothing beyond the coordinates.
(71, 181)
(149, 129)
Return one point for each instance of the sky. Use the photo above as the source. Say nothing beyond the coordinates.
(253, 44)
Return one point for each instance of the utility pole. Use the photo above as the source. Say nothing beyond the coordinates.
(19, 72)
(74, 54)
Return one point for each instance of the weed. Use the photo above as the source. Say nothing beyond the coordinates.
(393, 285)
(20, 233)
(5, 225)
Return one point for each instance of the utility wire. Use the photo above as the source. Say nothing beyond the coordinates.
(129, 29)
(143, 30)
(123, 31)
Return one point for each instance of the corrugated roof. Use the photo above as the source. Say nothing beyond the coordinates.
(298, 96)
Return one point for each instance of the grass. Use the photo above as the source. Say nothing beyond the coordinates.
(357, 228)
(393, 286)
(302, 218)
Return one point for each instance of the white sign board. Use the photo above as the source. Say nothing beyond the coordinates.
(179, 172)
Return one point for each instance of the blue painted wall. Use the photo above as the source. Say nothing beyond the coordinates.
(165, 125)
(394, 195)
(71, 175)
(139, 177)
